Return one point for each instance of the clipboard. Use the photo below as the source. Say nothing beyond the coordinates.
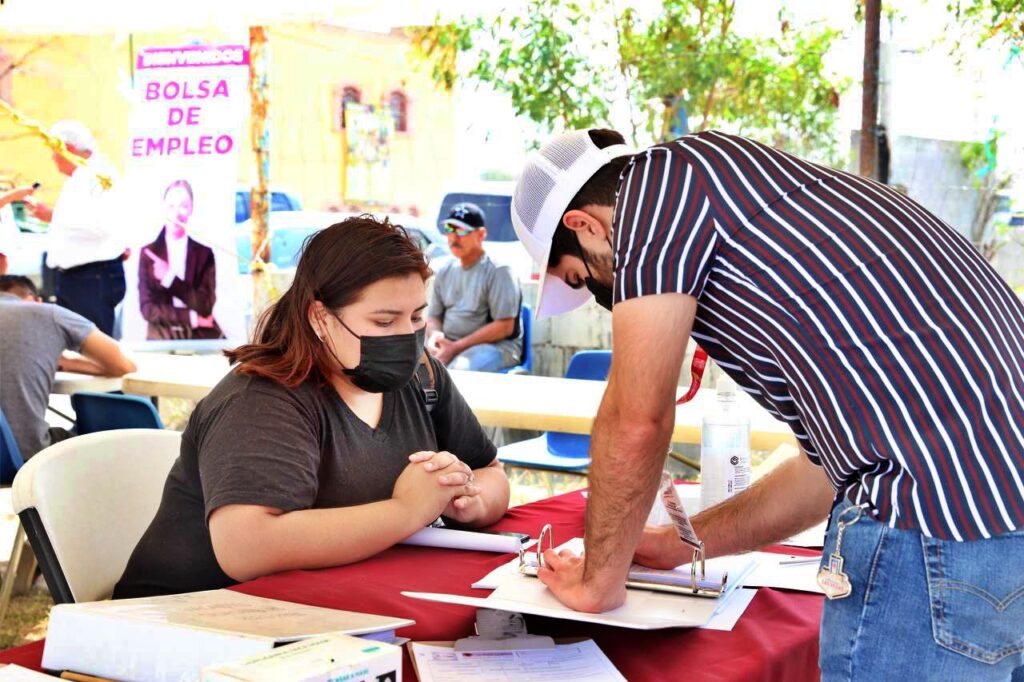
(699, 584)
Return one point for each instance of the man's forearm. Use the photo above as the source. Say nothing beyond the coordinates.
(792, 498)
(80, 364)
(627, 461)
(492, 332)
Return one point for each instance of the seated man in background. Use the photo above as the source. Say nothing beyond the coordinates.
(33, 338)
(473, 319)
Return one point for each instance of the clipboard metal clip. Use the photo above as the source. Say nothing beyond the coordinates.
(529, 565)
(530, 562)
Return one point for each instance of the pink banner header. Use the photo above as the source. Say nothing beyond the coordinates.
(193, 55)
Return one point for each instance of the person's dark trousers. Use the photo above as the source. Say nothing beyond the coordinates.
(93, 291)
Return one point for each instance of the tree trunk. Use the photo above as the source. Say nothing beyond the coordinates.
(869, 101)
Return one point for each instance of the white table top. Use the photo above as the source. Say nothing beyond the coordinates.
(67, 383)
(511, 401)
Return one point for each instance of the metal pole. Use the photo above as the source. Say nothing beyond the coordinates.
(869, 102)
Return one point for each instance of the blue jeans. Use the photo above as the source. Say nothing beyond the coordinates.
(484, 357)
(923, 609)
(93, 291)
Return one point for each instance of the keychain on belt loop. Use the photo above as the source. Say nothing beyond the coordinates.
(832, 580)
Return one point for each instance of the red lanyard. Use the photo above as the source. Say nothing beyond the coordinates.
(697, 365)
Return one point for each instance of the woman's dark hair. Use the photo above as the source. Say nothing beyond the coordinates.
(337, 263)
(599, 190)
(180, 183)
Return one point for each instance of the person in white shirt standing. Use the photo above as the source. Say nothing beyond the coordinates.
(86, 250)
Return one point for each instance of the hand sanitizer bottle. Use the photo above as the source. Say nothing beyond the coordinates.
(724, 447)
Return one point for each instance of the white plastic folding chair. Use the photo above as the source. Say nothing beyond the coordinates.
(85, 503)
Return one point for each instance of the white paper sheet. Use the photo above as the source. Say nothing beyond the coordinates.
(812, 537)
(771, 572)
(465, 539)
(582, 661)
(643, 610)
(15, 673)
(728, 615)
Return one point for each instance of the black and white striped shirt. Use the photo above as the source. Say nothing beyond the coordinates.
(894, 351)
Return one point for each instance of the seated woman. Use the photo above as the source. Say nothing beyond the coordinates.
(318, 448)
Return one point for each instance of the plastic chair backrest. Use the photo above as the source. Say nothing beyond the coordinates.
(108, 411)
(586, 364)
(10, 453)
(527, 361)
(85, 503)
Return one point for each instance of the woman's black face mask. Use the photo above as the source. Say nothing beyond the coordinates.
(386, 363)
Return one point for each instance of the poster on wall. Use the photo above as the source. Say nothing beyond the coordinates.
(185, 132)
(369, 131)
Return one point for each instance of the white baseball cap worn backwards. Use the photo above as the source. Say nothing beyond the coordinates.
(551, 178)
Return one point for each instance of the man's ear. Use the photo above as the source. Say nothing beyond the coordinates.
(579, 220)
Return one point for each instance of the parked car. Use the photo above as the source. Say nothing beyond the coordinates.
(280, 200)
(495, 200)
(289, 230)
(22, 240)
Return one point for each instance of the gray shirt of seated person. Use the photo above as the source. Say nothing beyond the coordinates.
(466, 299)
(32, 338)
(253, 441)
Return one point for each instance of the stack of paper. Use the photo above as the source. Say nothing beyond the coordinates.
(319, 659)
(579, 661)
(158, 639)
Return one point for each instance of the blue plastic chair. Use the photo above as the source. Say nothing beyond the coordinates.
(10, 455)
(111, 411)
(526, 364)
(561, 451)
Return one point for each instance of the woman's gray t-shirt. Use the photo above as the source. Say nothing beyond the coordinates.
(254, 441)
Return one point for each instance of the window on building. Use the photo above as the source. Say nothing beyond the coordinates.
(398, 104)
(350, 94)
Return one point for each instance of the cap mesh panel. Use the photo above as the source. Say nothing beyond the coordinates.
(565, 151)
(533, 189)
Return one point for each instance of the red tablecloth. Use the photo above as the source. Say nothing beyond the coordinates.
(776, 639)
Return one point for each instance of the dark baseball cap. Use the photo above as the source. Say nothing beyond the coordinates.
(466, 215)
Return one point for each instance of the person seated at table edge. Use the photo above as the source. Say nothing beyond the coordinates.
(319, 448)
(473, 322)
(34, 343)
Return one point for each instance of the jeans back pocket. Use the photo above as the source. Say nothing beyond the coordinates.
(976, 590)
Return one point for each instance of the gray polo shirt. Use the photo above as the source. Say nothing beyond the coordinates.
(32, 338)
(466, 299)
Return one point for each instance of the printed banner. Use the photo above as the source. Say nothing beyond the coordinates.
(369, 131)
(185, 132)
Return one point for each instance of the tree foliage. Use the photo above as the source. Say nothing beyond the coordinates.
(995, 20)
(566, 65)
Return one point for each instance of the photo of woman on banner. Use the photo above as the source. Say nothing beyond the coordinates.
(178, 275)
